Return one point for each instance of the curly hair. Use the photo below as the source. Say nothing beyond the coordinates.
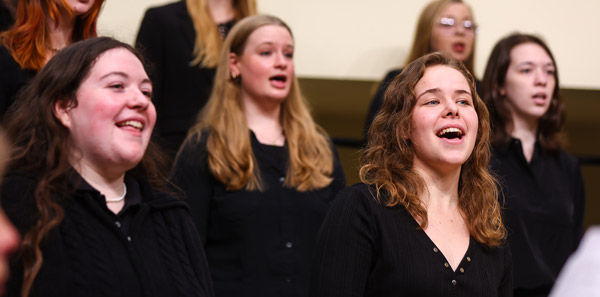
(42, 145)
(387, 160)
(550, 125)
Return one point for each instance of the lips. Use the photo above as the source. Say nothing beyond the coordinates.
(134, 124)
(451, 133)
(458, 47)
(539, 98)
(278, 81)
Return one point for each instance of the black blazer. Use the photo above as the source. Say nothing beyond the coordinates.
(166, 38)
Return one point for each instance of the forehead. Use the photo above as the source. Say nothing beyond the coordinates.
(529, 52)
(117, 59)
(274, 34)
(457, 10)
(442, 77)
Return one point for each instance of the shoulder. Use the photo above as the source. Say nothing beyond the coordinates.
(568, 161)
(358, 197)
(392, 74)
(194, 146)
(7, 62)
(168, 11)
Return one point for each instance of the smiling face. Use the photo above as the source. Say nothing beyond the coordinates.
(530, 82)
(114, 117)
(266, 66)
(80, 7)
(444, 121)
(455, 39)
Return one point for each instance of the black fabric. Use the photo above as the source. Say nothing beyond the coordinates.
(12, 80)
(6, 17)
(367, 249)
(257, 243)
(89, 253)
(166, 38)
(377, 100)
(544, 207)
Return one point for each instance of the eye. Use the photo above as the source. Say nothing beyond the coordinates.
(466, 102)
(289, 55)
(265, 53)
(550, 71)
(117, 86)
(432, 102)
(147, 93)
(525, 70)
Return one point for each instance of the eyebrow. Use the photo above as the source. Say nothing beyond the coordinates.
(437, 90)
(527, 63)
(124, 75)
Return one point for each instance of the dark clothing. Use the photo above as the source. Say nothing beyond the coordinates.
(377, 100)
(151, 248)
(167, 38)
(544, 206)
(257, 243)
(12, 79)
(367, 249)
(6, 17)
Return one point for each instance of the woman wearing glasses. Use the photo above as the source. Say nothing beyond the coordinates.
(444, 25)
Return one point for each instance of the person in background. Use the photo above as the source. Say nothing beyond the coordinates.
(444, 25)
(84, 180)
(183, 41)
(9, 237)
(42, 29)
(426, 219)
(542, 184)
(257, 171)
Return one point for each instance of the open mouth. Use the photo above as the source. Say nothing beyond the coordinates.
(540, 96)
(450, 133)
(131, 123)
(279, 78)
(458, 47)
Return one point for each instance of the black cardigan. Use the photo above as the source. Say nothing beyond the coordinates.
(92, 252)
(367, 249)
(257, 243)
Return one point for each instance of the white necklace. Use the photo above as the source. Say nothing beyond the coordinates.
(120, 198)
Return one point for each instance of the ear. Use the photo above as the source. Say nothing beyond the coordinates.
(234, 65)
(63, 113)
(502, 91)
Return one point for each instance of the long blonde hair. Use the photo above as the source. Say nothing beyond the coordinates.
(230, 155)
(387, 160)
(208, 42)
(423, 34)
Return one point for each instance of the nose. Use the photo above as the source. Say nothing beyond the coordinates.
(451, 109)
(281, 61)
(9, 237)
(139, 100)
(541, 77)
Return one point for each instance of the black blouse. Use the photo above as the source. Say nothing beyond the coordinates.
(257, 243)
(12, 79)
(367, 249)
(150, 248)
(544, 207)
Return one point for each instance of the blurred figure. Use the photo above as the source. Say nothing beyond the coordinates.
(9, 238)
(42, 29)
(7, 14)
(426, 219)
(83, 184)
(542, 184)
(444, 25)
(258, 173)
(183, 40)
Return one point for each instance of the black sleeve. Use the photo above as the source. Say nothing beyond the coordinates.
(18, 201)
(344, 248)
(192, 176)
(150, 42)
(506, 284)
(339, 179)
(579, 202)
(377, 100)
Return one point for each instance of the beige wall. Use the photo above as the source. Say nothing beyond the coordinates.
(357, 39)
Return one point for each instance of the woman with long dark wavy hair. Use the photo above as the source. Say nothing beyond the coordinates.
(541, 182)
(41, 29)
(426, 219)
(83, 184)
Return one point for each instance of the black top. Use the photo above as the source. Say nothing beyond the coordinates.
(151, 248)
(543, 212)
(367, 249)
(257, 243)
(12, 79)
(377, 100)
(6, 17)
(167, 38)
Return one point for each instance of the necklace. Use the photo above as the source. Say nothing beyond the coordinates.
(120, 198)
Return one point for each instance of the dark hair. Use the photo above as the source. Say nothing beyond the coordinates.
(387, 160)
(550, 125)
(42, 145)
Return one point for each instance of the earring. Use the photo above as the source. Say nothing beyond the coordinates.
(233, 75)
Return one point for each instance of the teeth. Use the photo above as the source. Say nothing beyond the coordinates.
(134, 124)
(450, 130)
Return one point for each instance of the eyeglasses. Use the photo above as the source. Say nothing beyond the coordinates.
(450, 23)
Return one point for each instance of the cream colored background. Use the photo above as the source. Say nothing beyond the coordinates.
(358, 39)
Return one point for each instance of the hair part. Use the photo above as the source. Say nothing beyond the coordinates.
(550, 125)
(428, 19)
(208, 43)
(387, 160)
(42, 145)
(230, 156)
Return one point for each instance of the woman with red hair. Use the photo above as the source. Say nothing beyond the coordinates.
(42, 28)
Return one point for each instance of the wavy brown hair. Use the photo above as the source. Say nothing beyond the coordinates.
(550, 125)
(209, 42)
(28, 40)
(42, 145)
(429, 17)
(387, 160)
(230, 155)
